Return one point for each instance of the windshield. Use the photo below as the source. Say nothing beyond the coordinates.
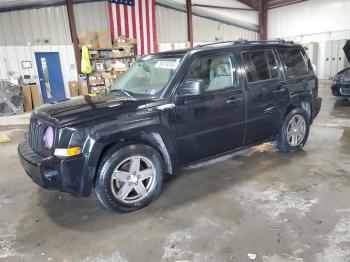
(148, 76)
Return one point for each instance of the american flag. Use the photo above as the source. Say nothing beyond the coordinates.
(134, 19)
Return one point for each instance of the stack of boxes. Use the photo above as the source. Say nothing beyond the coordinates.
(78, 88)
(109, 60)
(31, 97)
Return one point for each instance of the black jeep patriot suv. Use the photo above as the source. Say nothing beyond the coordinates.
(171, 109)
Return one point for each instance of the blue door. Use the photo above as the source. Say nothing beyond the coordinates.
(50, 76)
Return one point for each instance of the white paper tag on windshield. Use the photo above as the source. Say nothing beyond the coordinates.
(167, 64)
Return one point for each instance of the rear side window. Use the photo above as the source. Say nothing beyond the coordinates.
(260, 65)
(294, 62)
(272, 64)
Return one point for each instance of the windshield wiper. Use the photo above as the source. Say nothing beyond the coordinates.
(127, 93)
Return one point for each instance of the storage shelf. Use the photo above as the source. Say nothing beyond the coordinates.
(104, 49)
(112, 58)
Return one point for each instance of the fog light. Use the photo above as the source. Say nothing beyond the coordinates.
(67, 151)
(50, 174)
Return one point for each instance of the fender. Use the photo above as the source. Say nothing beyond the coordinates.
(299, 99)
(99, 147)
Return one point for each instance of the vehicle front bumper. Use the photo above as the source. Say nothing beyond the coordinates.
(65, 175)
(340, 89)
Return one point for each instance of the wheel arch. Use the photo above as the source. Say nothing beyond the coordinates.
(303, 101)
(153, 140)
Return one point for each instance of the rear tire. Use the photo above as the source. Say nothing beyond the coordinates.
(294, 132)
(129, 178)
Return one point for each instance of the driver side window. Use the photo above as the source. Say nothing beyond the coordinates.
(217, 72)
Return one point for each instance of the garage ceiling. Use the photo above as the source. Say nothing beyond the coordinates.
(16, 3)
(279, 3)
(270, 3)
(228, 3)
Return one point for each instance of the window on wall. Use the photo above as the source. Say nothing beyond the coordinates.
(217, 72)
(294, 62)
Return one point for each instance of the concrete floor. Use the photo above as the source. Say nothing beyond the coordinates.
(281, 207)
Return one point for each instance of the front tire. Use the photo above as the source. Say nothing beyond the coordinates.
(294, 132)
(129, 178)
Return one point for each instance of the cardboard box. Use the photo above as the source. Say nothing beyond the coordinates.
(99, 66)
(96, 82)
(118, 53)
(109, 82)
(83, 88)
(27, 98)
(118, 74)
(92, 40)
(98, 89)
(36, 96)
(73, 88)
(106, 75)
(125, 41)
(105, 40)
(82, 38)
(93, 54)
(131, 41)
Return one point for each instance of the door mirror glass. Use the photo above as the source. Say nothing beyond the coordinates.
(192, 87)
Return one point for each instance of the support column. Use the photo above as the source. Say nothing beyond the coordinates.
(189, 22)
(74, 34)
(263, 19)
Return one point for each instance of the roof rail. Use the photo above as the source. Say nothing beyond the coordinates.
(277, 40)
(245, 41)
(215, 43)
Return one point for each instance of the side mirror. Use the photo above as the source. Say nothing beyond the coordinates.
(192, 88)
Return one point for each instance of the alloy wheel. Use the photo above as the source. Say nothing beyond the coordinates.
(133, 179)
(296, 130)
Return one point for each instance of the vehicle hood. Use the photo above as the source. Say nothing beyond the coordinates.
(343, 76)
(346, 49)
(93, 108)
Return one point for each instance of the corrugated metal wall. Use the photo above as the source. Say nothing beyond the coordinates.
(172, 28)
(171, 25)
(35, 26)
(91, 17)
(22, 33)
(312, 21)
(50, 25)
(12, 56)
(205, 30)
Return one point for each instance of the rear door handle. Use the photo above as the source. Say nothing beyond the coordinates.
(305, 83)
(279, 90)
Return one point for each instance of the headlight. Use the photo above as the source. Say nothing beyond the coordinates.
(48, 138)
(67, 151)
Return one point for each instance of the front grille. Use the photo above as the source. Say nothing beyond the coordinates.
(37, 128)
(28, 154)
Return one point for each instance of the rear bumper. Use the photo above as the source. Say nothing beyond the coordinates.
(316, 106)
(64, 175)
(340, 90)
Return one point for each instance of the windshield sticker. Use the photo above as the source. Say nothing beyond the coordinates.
(167, 64)
(150, 91)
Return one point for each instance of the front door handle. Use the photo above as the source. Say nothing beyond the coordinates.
(233, 100)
